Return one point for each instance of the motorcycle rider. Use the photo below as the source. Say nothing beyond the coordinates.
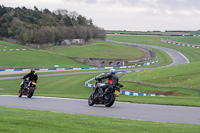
(112, 81)
(32, 77)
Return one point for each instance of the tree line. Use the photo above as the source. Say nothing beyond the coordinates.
(43, 26)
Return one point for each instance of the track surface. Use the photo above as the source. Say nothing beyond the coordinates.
(161, 113)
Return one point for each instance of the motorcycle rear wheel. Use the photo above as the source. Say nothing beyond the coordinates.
(30, 94)
(109, 99)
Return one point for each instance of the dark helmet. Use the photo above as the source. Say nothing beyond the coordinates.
(32, 70)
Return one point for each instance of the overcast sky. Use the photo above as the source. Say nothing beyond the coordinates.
(132, 15)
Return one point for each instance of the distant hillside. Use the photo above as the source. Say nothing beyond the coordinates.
(42, 26)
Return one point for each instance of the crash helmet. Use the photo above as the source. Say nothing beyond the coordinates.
(112, 71)
(32, 70)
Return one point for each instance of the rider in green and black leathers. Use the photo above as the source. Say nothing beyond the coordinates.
(32, 77)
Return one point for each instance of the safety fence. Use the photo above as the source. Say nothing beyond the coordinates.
(177, 43)
(13, 49)
(87, 68)
(87, 83)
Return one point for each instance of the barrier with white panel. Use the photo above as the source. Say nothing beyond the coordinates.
(181, 44)
(87, 68)
(87, 83)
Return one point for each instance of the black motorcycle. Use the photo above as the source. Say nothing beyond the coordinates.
(108, 97)
(26, 89)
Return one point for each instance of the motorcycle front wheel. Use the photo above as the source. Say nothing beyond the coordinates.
(91, 100)
(20, 93)
(109, 99)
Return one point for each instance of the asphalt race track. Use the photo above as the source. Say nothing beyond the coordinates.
(147, 112)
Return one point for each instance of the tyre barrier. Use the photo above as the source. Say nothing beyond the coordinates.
(87, 68)
(87, 83)
(182, 44)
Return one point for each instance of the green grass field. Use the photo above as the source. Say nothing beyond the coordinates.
(9, 45)
(56, 86)
(178, 80)
(142, 32)
(36, 59)
(181, 81)
(129, 32)
(186, 39)
(99, 49)
(69, 86)
(186, 75)
(195, 32)
(48, 57)
(149, 33)
(193, 54)
(174, 81)
(32, 121)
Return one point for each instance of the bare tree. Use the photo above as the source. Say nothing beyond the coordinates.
(61, 11)
(44, 35)
(16, 26)
(73, 15)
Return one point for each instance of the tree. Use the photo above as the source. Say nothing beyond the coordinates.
(44, 35)
(67, 21)
(90, 22)
(16, 26)
(58, 34)
(62, 12)
(80, 20)
(36, 9)
(2, 10)
(34, 26)
(46, 11)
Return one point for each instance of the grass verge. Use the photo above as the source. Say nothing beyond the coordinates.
(36, 59)
(193, 54)
(21, 120)
(9, 45)
(100, 49)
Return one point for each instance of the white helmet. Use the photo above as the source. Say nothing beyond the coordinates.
(112, 71)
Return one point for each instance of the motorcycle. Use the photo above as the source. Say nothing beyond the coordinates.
(108, 97)
(27, 89)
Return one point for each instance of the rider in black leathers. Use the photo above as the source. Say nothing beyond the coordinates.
(32, 77)
(112, 81)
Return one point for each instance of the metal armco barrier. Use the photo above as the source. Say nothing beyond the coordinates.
(13, 49)
(87, 68)
(182, 44)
